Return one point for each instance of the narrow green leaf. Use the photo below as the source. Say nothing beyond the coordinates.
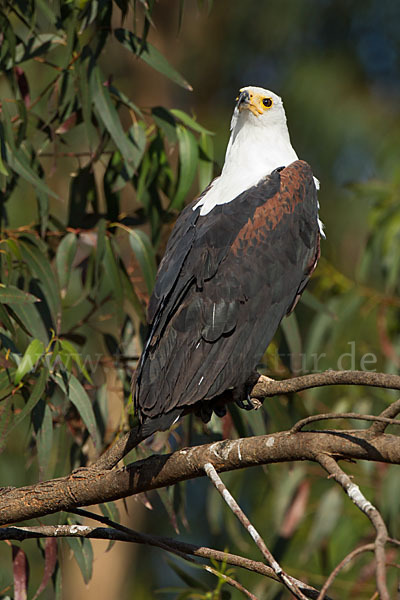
(79, 398)
(144, 253)
(30, 321)
(65, 255)
(165, 121)
(291, 332)
(186, 578)
(110, 510)
(18, 162)
(3, 154)
(16, 158)
(113, 272)
(30, 359)
(36, 393)
(83, 553)
(131, 296)
(85, 96)
(138, 139)
(9, 294)
(36, 46)
(100, 247)
(39, 266)
(125, 100)
(5, 320)
(44, 435)
(108, 114)
(188, 159)
(312, 302)
(150, 55)
(73, 355)
(43, 210)
(325, 520)
(206, 162)
(189, 121)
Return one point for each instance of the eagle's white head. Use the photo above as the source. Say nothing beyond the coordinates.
(263, 104)
(259, 143)
(259, 127)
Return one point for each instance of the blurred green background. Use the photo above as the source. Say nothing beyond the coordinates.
(90, 254)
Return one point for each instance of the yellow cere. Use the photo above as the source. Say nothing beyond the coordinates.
(258, 103)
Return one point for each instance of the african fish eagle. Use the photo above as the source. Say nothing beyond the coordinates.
(237, 260)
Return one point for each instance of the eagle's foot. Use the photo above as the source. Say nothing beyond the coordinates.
(242, 394)
(249, 403)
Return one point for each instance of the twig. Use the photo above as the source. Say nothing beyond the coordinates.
(341, 565)
(355, 494)
(235, 508)
(330, 416)
(230, 581)
(391, 411)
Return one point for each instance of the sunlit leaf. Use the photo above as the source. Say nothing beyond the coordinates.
(30, 359)
(70, 354)
(189, 121)
(36, 393)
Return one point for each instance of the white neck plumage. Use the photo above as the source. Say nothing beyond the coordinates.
(254, 150)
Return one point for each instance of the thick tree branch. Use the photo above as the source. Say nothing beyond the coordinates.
(266, 388)
(91, 486)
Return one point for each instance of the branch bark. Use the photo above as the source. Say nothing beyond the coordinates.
(267, 388)
(92, 486)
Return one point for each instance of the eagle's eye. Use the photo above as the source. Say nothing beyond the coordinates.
(267, 102)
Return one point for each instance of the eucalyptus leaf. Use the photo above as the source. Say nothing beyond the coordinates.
(188, 159)
(149, 54)
(29, 361)
(79, 398)
(10, 294)
(144, 253)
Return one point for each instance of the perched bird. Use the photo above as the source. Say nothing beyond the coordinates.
(237, 260)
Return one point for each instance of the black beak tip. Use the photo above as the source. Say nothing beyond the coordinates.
(244, 98)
